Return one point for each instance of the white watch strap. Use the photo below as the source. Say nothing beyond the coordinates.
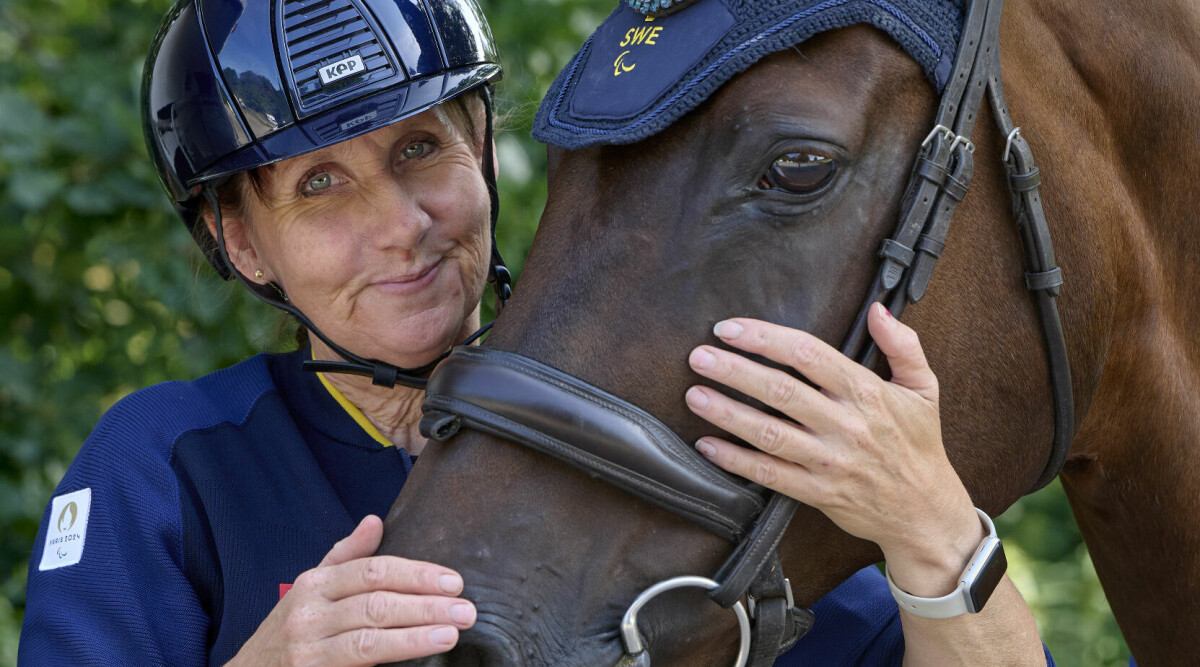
(958, 601)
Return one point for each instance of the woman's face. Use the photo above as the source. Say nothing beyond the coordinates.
(382, 240)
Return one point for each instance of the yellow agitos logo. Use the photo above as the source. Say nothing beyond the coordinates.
(647, 35)
(619, 66)
(66, 518)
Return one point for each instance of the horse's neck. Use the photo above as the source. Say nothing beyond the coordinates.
(1107, 93)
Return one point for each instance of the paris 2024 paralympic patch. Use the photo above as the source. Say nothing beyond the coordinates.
(67, 529)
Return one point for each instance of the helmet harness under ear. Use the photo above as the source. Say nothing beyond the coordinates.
(381, 372)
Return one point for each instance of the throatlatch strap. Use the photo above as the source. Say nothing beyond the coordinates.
(1024, 180)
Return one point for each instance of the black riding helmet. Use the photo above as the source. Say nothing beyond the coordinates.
(229, 87)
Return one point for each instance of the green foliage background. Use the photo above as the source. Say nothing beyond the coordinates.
(102, 291)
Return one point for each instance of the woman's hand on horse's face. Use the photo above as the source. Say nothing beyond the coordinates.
(865, 451)
(359, 609)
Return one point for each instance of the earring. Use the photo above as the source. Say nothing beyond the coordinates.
(258, 274)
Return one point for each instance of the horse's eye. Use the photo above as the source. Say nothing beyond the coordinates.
(799, 173)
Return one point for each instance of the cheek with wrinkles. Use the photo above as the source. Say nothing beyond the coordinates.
(460, 212)
(317, 264)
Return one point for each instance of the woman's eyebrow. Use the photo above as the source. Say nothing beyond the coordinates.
(308, 161)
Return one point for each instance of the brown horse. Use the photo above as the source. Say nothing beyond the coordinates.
(643, 247)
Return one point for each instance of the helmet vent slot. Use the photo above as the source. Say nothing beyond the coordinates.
(323, 34)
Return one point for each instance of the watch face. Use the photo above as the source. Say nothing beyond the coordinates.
(988, 578)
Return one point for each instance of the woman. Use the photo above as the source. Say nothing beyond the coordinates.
(337, 160)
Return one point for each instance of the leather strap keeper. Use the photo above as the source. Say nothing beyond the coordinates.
(931, 246)
(1045, 280)
(933, 172)
(1025, 182)
(955, 188)
(897, 252)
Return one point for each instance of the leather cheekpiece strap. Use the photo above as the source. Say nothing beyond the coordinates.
(754, 552)
(778, 624)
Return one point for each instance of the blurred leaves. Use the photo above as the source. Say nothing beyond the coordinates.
(1050, 565)
(102, 290)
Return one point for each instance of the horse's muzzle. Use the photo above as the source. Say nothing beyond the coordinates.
(474, 649)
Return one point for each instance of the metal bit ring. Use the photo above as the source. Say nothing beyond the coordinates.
(635, 649)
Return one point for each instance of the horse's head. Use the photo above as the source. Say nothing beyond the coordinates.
(768, 199)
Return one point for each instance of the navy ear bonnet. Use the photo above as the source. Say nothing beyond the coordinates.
(639, 72)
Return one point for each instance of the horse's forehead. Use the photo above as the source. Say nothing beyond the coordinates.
(848, 67)
(637, 74)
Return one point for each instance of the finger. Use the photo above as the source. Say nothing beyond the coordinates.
(905, 357)
(814, 358)
(383, 573)
(769, 385)
(371, 646)
(385, 609)
(788, 478)
(359, 544)
(767, 433)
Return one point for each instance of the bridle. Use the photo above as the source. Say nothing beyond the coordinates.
(528, 403)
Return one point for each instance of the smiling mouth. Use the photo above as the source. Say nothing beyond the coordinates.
(410, 282)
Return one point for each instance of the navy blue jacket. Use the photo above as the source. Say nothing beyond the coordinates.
(207, 496)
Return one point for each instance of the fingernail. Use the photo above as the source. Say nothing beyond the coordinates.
(697, 399)
(443, 636)
(727, 330)
(450, 583)
(706, 449)
(887, 314)
(702, 359)
(463, 614)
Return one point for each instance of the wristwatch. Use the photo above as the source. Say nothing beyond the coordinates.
(975, 585)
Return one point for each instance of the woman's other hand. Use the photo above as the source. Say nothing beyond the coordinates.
(359, 609)
(865, 451)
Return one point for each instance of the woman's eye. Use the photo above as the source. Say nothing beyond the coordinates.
(319, 182)
(799, 173)
(416, 150)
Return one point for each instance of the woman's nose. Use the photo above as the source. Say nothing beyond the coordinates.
(401, 222)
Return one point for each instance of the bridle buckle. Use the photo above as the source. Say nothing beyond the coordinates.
(937, 129)
(1009, 142)
(961, 140)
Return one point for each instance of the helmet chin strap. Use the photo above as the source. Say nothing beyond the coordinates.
(381, 372)
(498, 274)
